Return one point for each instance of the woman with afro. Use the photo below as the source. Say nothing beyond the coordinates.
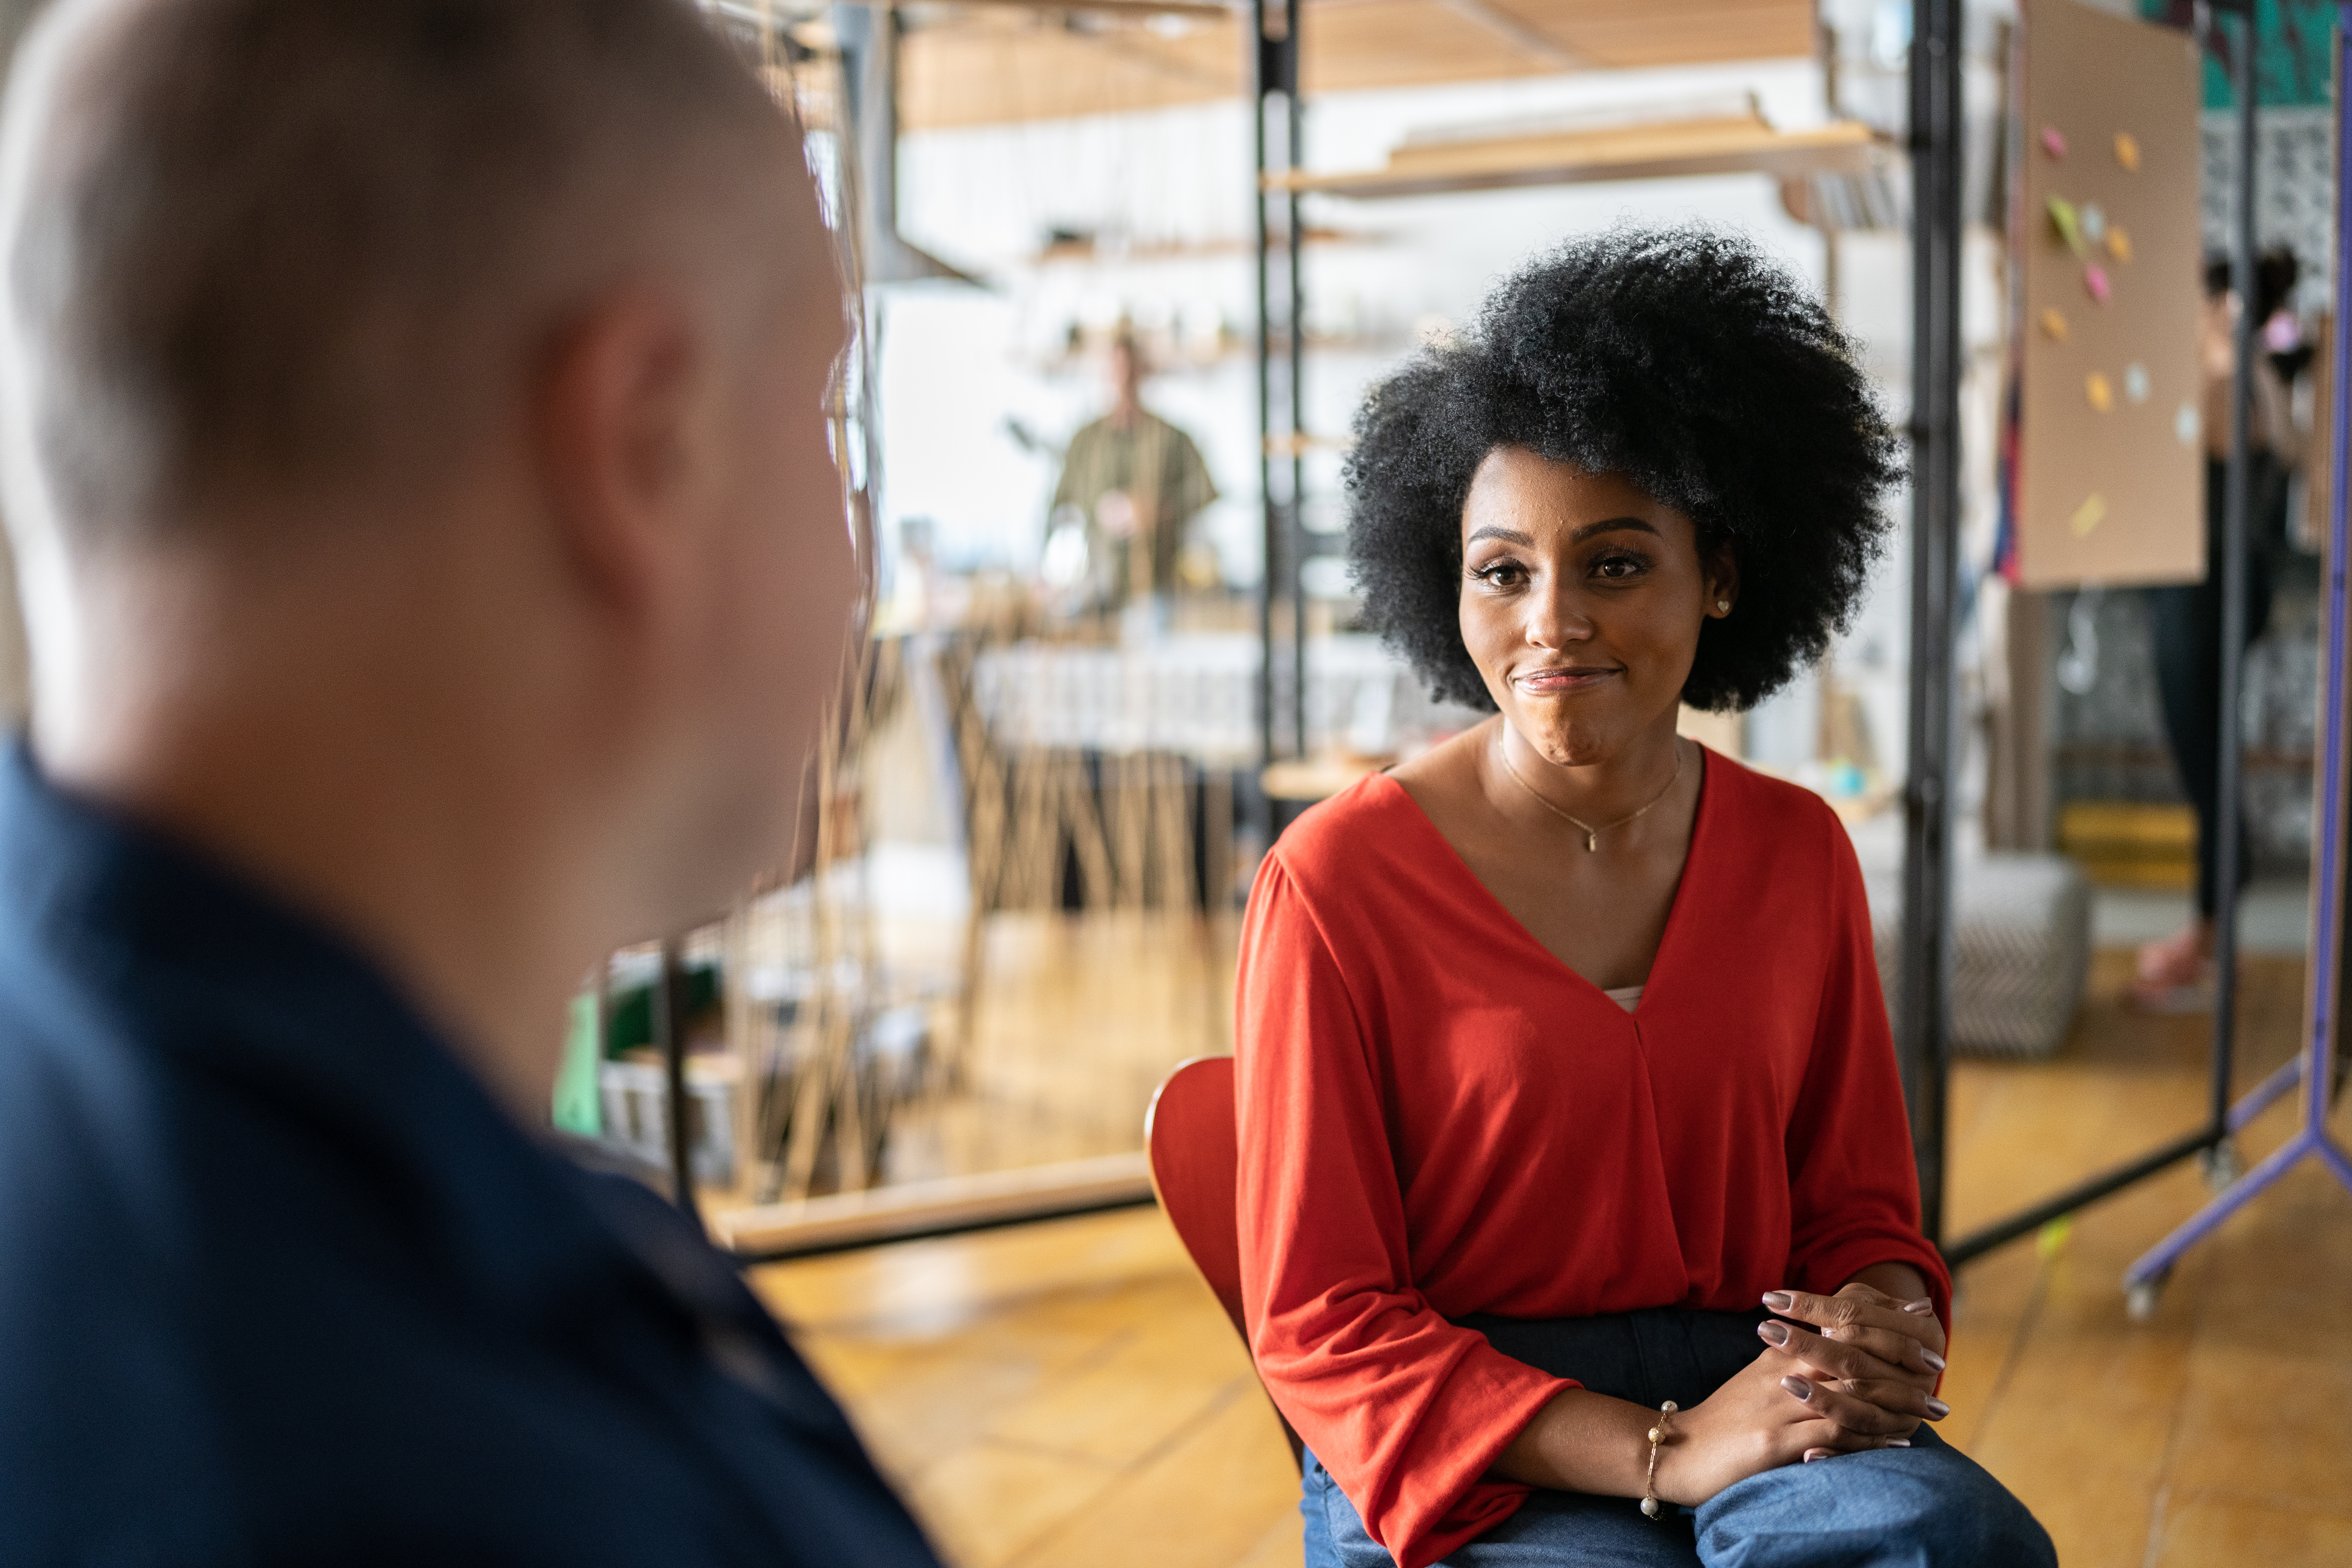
(1578, 1216)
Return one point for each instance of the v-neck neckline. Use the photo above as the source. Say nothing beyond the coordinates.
(1702, 818)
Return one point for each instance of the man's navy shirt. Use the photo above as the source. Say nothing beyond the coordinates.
(279, 1283)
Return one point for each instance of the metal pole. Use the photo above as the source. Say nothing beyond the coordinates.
(1262, 64)
(1294, 158)
(669, 1031)
(1923, 1032)
(2236, 519)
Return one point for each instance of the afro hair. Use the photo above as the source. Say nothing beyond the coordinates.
(1682, 361)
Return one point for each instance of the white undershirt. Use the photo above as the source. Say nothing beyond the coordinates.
(1626, 996)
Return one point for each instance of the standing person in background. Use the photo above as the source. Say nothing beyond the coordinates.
(2185, 619)
(437, 578)
(1136, 480)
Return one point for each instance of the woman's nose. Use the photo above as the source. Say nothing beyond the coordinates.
(1556, 613)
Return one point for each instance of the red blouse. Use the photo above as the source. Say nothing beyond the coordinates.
(1439, 1118)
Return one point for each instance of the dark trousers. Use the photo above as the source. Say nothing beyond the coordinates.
(1928, 1506)
(2186, 622)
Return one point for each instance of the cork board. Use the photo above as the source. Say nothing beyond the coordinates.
(2111, 470)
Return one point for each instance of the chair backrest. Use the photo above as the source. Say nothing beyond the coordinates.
(1190, 1141)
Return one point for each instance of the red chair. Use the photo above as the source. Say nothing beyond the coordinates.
(1190, 1142)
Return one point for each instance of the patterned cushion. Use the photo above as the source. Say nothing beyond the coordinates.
(2021, 950)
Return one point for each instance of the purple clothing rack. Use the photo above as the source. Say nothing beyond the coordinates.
(2315, 1067)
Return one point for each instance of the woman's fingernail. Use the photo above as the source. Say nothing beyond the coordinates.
(1898, 1442)
(1921, 1307)
(1798, 1386)
(1813, 1454)
(1938, 1409)
(1778, 1301)
(1934, 1362)
(1773, 1333)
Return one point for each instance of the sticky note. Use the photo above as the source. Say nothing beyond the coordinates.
(2062, 219)
(2054, 142)
(2054, 323)
(2119, 243)
(2186, 426)
(2089, 515)
(2094, 219)
(2136, 382)
(2127, 150)
(2097, 389)
(2094, 279)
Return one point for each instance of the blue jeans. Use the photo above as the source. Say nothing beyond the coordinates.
(1927, 1506)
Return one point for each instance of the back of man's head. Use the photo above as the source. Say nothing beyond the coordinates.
(415, 433)
(298, 248)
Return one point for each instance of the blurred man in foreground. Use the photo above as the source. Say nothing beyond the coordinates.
(434, 566)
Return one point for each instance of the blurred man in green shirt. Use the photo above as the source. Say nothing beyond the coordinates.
(1135, 480)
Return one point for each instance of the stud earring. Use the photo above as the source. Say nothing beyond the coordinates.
(1722, 606)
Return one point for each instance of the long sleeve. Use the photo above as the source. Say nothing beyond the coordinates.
(1854, 1186)
(1406, 1411)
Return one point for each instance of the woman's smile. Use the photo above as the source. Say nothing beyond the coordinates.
(1565, 679)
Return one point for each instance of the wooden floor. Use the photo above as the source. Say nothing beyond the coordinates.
(1069, 1394)
(2220, 1431)
(1077, 1021)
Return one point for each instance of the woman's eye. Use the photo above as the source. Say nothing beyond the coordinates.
(1616, 566)
(1499, 573)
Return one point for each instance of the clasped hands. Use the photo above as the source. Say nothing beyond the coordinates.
(1843, 1373)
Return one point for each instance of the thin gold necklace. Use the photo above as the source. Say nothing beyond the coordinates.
(1592, 833)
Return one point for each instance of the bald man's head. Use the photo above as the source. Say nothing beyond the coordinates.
(298, 251)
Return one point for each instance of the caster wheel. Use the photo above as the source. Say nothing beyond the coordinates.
(2140, 1298)
(2220, 1163)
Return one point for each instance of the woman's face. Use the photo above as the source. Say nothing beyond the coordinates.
(1581, 602)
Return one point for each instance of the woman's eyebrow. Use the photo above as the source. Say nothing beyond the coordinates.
(1513, 536)
(1608, 525)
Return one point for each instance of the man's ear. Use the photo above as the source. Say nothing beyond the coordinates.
(612, 417)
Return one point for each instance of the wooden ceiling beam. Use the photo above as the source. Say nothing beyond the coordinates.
(1513, 31)
(994, 66)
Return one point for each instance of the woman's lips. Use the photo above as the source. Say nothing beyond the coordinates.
(1561, 682)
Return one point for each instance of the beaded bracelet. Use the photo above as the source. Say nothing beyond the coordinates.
(1651, 1507)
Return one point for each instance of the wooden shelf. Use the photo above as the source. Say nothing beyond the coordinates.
(926, 1208)
(1734, 144)
(1316, 777)
(1093, 253)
